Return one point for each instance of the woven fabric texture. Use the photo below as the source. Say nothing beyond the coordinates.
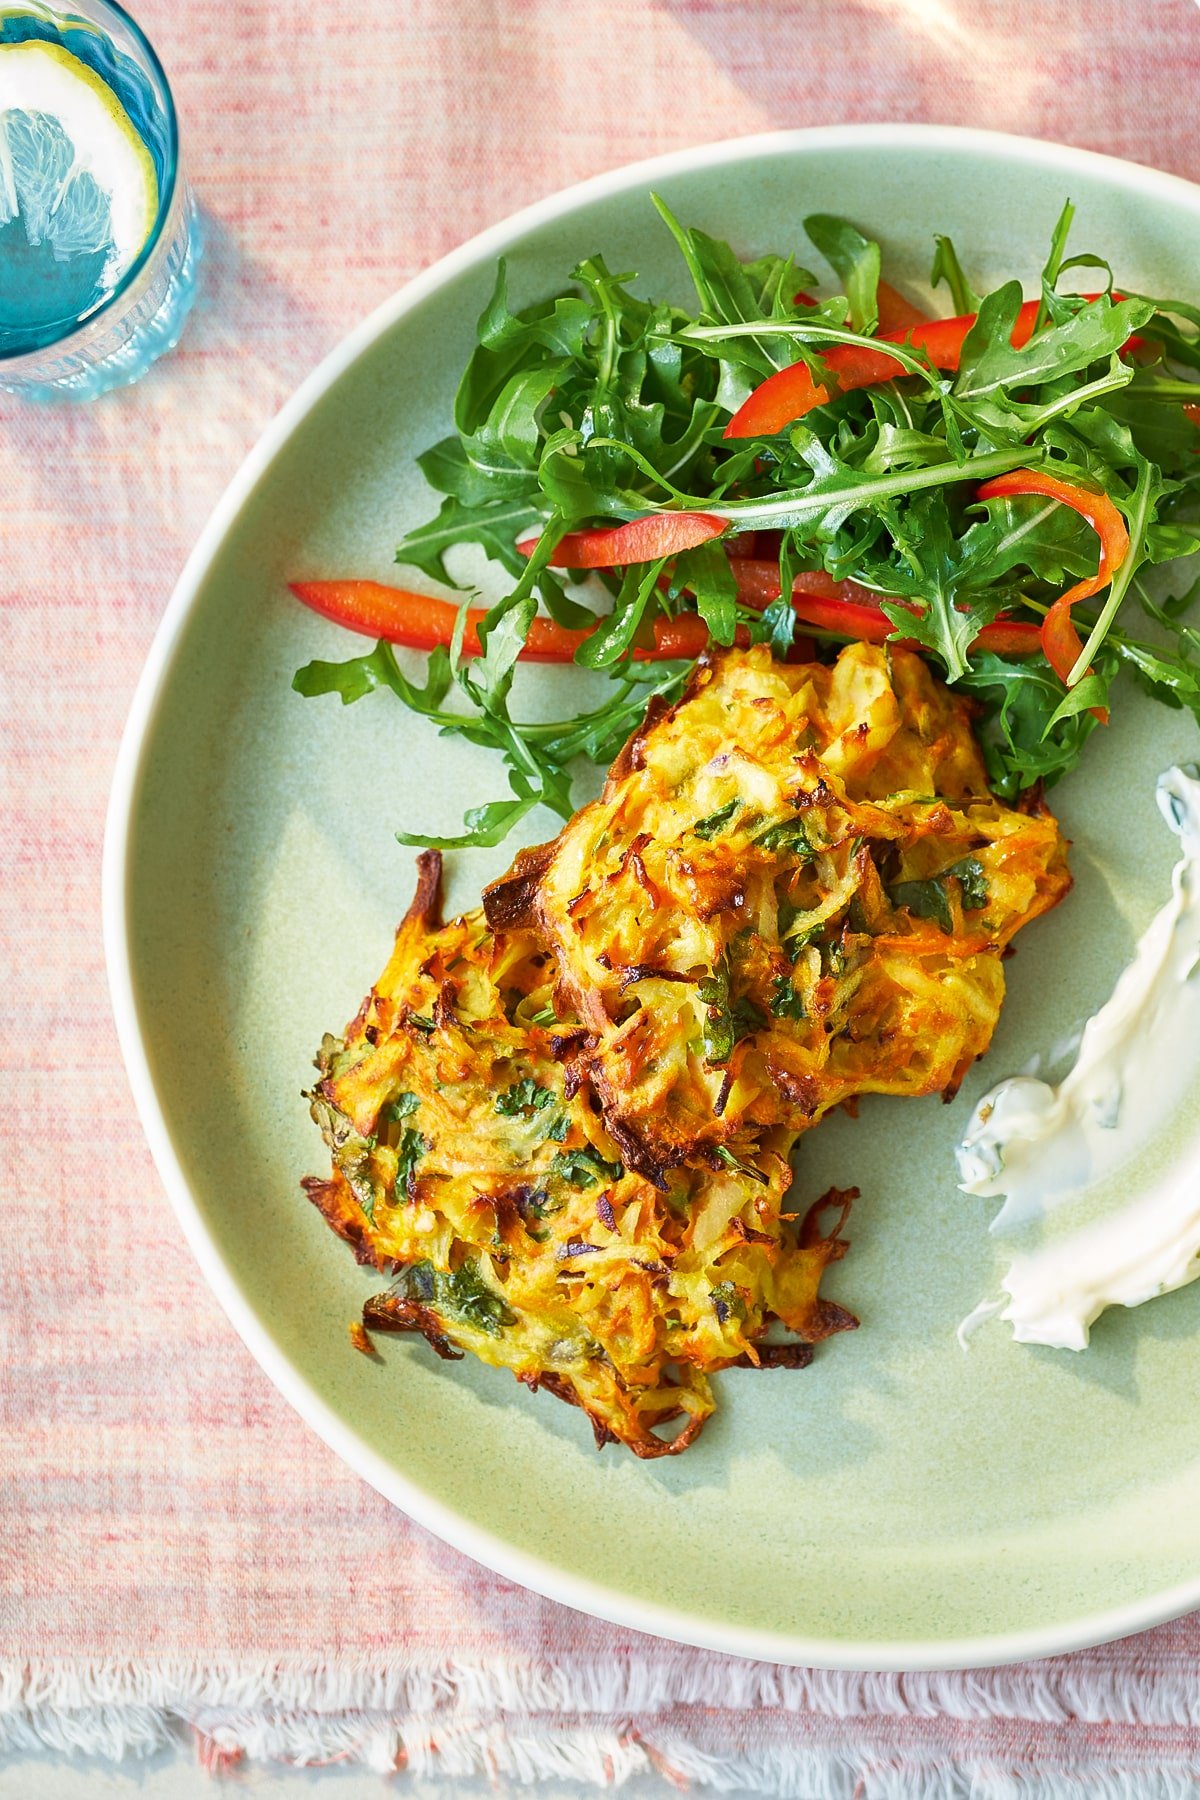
(176, 1547)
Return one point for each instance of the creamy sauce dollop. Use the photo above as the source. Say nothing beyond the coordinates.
(1056, 1152)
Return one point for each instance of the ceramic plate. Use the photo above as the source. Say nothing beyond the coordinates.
(900, 1504)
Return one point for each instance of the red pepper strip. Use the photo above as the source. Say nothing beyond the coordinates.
(1192, 411)
(758, 584)
(1060, 640)
(422, 622)
(895, 312)
(686, 635)
(790, 393)
(640, 541)
(836, 606)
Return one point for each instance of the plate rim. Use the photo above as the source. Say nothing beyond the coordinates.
(581, 1593)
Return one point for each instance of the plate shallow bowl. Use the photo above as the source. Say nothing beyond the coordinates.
(898, 1505)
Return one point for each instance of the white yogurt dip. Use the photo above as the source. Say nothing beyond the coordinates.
(1048, 1149)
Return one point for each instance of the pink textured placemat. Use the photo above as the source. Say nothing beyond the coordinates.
(175, 1546)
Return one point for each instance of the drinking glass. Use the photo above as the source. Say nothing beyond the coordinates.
(50, 347)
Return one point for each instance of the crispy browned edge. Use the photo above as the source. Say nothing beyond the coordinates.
(425, 907)
(342, 1216)
(511, 902)
(648, 1448)
(392, 1312)
(395, 1313)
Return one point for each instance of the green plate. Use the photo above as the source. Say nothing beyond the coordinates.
(900, 1504)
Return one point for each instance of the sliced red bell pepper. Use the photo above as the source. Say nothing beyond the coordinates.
(854, 611)
(686, 636)
(757, 582)
(1060, 640)
(790, 393)
(422, 622)
(639, 541)
(895, 312)
(1192, 411)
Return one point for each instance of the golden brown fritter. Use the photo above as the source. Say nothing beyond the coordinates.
(795, 888)
(471, 1159)
(563, 1123)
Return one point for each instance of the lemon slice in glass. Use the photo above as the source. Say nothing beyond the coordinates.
(77, 184)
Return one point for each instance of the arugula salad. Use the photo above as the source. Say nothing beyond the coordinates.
(765, 465)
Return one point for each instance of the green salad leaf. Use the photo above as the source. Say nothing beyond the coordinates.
(947, 268)
(856, 262)
(608, 401)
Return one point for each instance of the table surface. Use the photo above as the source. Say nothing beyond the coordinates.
(162, 1503)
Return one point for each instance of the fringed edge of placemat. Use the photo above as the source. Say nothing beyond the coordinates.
(699, 1722)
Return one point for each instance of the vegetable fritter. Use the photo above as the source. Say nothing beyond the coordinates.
(794, 889)
(471, 1159)
(563, 1122)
